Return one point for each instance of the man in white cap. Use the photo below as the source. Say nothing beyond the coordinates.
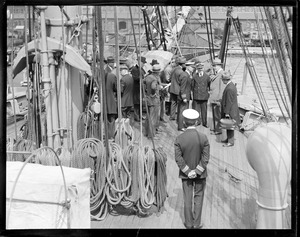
(216, 91)
(192, 152)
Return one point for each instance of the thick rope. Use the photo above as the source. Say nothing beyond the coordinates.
(124, 134)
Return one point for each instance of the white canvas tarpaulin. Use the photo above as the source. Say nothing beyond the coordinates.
(39, 195)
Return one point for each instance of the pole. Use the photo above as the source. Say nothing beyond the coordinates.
(46, 77)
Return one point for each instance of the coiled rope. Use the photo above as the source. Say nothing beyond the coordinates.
(161, 178)
(23, 145)
(90, 153)
(117, 175)
(124, 134)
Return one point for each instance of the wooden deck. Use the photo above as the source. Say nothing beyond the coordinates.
(228, 204)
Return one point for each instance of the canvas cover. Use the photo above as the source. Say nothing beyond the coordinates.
(39, 189)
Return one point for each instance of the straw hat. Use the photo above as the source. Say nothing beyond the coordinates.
(156, 68)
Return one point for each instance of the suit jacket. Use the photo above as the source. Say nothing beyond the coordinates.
(111, 90)
(151, 88)
(200, 86)
(229, 104)
(107, 69)
(135, 72)
(216, 86)
(185, 86)
(127, 91)
(175, 74)
(192, 152)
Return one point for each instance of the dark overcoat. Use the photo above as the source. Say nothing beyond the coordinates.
(175, 74)
(229, 103)
(111, 90)
(135, 72)
(185, 86)
(200, 86)
(192, 152)
(127, 91)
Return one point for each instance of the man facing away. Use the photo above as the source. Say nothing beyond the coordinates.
(135, 72)
(229, 107)
(175, 87)
(185, 93)
(192, 151)
(126, 91)
(200, 88)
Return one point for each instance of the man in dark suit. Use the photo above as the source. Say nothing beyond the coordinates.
(192, 151)
(229, 107)
(175, 88)
(111, 102)
(200, 88)
(135, 72)
(110, 64)
(126, 91)
(184, 93)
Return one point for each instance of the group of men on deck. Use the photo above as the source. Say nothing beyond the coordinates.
(185, 81)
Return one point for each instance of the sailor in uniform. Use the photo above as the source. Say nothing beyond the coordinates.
(192, 151)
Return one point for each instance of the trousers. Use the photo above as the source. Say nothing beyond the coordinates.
(193, 189)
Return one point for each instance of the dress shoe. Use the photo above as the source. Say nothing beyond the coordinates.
(164, 121)
(225, 141)
(205, 126)
(181, 129)
(228, 145)
(198, 227)
(188, 227)
(171, 119)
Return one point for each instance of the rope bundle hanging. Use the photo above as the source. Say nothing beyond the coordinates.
(117, 175)
(124, 134)
(161, 177)
(84, 124)
(23, 145)
(46, 156)
(90, 153)
(64, 156)
(146, 164)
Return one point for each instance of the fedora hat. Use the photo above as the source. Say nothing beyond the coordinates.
(109, 59)
(181, 60)
(190, 114)
(154, 61)
(226, 76)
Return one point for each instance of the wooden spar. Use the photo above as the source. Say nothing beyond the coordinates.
(102, 77)
(55, 124)
(244, 79)
(118, 69)
(46, 77)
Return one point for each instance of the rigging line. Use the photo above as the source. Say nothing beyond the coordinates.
(276, 67)
(162, 29)
(208, 34)
(118, 69)
(11, 78)
(31, 122)
(146, 28)
(170, 26)
(101, 51)
(141, 81)
(283, 99)
(212, 41)
(279, 53)
(63, 75)
(287, 34)
(140, 70)
(227, 41)
(149, 29)
(263, 46)
(251, 69)
(86, 32)
(286, 49)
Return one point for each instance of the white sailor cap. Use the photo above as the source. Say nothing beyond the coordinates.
(190, 114)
